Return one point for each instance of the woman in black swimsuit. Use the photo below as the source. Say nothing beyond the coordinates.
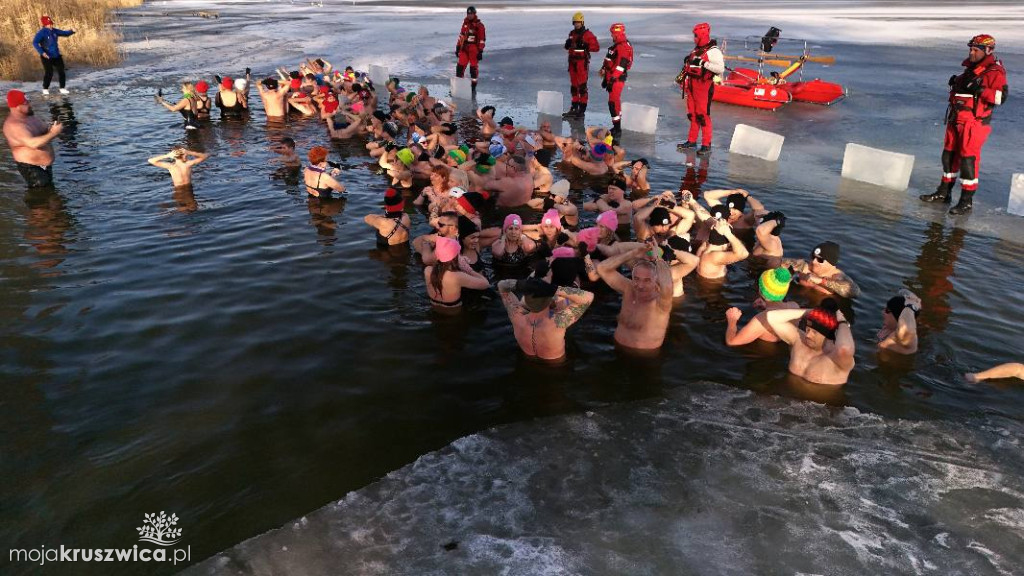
(393, 227)
(320, 182)
(232, 103)
(512, 249)
(446, 279)
(469, 237)
(190, 106)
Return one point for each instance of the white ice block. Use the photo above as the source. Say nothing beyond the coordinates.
(750, 141)
(462, 88)
(549, 102)
(379, 75)
(878, 167)
(1016, 205)
(639, 118)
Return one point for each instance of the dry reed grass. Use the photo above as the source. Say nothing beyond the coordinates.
(93, 44)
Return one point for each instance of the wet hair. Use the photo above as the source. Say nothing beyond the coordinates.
(543, 156)
(487, 109)
(380, 115)
(895, 306)
(270, 83)
(437, 273)
(288, 142)
(320, 62)
(310, 76)
(294, 75)
(317, 154)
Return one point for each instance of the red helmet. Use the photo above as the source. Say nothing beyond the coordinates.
(982, 41)
(618, 28)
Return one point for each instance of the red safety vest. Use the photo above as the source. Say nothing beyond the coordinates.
(699, 72)
(617, 61)
(972, 94)
(472, 33)
(581, 43)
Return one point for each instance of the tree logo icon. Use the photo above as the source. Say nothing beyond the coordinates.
(158, 529)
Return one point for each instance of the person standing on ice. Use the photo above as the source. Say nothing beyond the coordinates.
(45, 42)
(580, 44)
(973, 94)
(617, 63)
(701, 66)
(470, 47)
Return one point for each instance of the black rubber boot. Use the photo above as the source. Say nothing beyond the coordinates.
(965, 204)
(704, 150)
(944, 194)
(689, 144)
(616, 130)
(581, 110)
(572, 111)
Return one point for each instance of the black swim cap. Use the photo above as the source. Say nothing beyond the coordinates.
(736, 201)
(270, 83)
(780, 221)
(660, 216)
(716, 239)
(679, 243)
(471, 10)
(720, 211)
(543, 156)
(467, 227)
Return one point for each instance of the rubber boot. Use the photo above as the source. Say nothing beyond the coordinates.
(581, 110)
(704, 150)
(473, 85)
(572, 111)
(689, 144)
(944, 194)
(965, 204)
(616, 130)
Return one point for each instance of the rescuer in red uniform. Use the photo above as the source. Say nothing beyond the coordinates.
(470, 47)
(973, 94)
(617, 63)
(580, 44)
(701, 66)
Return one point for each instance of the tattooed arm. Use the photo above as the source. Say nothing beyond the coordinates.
(841, 285)
(509, 299)
(579, 301)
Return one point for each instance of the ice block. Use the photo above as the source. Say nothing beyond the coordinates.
(639, 118)
(750, 141)
(549, 103)
(462, 88)
(878, 167)
(1016, 205)
(378, 75)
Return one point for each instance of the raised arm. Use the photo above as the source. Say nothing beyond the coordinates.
(782, 323)
(161, 161)
(713, 197)
(609, 269)
(738, 252)
(664, 281)
(842, 354)
(197, 157)
(512, 307)
(734, 336)
(579, 301)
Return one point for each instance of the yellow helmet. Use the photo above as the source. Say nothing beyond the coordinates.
(577, 17)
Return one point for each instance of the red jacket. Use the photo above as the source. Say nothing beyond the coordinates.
(617, 61)
(580, 44)
(473, 32)
(979, 89)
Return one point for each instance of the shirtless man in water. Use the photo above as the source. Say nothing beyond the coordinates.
(273, 97)
(822, 347)
(29, 139)
(543, 315)
(179, 163)
(646, 299)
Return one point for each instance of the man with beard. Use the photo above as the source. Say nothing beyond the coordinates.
(821, 349)
(29, 139)
(646, 298)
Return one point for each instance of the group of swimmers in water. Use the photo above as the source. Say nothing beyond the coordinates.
(552, 268)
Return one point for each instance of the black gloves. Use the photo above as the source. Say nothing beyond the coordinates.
(568, 43)
(480, 56)
(248, 71)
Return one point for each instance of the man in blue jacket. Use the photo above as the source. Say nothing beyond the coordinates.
(45, 43)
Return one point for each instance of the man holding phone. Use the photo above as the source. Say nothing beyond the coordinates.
(29, 139)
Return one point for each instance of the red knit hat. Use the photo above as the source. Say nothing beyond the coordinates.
(15, 98)
(46, 21)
